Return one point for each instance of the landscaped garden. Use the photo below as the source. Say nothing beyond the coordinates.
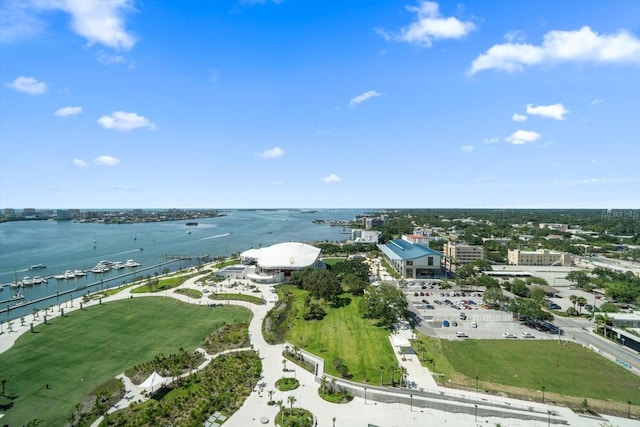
(67, 359)
(237, 297)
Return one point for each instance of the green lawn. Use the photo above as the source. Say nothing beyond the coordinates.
(344, 334)
(334, 260)
(77, 353)
(237, 297)
(568, 370)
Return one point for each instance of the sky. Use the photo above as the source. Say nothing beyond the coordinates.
(319, 104)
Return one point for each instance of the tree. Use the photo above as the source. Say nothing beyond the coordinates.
(580, 278)
(291, 400)
(519, 288)
(323, 383)
(574, 300)
(384, 302)
(487, 282)
(582, 301)
(537, 294)
(270, 393)
(381, 373)
(494, 297)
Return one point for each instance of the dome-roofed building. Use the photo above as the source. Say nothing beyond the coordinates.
(275, 263)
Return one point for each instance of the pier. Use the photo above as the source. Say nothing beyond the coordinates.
(22, 303)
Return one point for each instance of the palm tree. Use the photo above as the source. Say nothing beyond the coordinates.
(333, 385)
(574, 300)
(270, 393)
(284, 365)
(582, 301)
(393, 373)
(291, 400)
(403, 375)
(323, 383)
(604, 320)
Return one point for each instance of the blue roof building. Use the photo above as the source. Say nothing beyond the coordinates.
(413, 261)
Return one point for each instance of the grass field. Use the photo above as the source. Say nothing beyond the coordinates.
(569, 373)
(78, 352)
(343, 333)
(333, 260)
(237, 297)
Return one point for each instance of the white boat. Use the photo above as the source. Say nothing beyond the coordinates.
(79, 273)
(99, 269)
(68, 274)
(26, 281)
(132, 264)
(37, 267)
(117, 265)
(36, 280)
(59, 276)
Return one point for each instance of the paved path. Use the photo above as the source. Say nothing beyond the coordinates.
(359, 412)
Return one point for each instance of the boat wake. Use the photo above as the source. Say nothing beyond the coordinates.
(126, 252)
(216, 236)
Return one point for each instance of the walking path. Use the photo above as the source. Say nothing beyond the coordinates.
(402, 412)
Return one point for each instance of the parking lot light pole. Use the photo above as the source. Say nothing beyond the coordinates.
(543, 388)
(365, 395)
(629, 409)
(411, 397)
(476, 412)
(476, 383)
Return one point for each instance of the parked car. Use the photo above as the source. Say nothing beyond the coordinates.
(454, 323)
(528, 335)
(508, 335)
(463, 316)
(445, 323)
(474, 325)
(415, 294)
(424, 301)
(461, 334)
(430, 307)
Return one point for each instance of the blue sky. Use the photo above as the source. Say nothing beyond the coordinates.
(319, 104)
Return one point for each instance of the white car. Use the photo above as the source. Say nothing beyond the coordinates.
(461, 334)
(508, 335)
(474, 325)
(527, 335)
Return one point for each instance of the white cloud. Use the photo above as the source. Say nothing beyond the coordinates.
(68, 111)
(28, 85)
(597, 101)
(429, 26)
(331, 178)
(106, 161)
(555, 111)
(515, 36)
(583, 45)
(100, 22)
(121, 120)
(108, 59)
(272, 153)
(17, 21)
(519, 118)
(491, 140)
(467, 148)
(78, 163)
(521, 137)
(363, 97)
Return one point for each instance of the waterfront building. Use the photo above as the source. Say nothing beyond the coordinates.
(539, 257)
(274, 264)
(364, 237)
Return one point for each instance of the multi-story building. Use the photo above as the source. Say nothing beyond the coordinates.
(364, 237)
(461, 254)
(413, 261)
(556, 227)
(539, 257)
(419, 239)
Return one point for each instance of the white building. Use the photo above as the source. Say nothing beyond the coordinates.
(461, 254)
(539, 257)
(364, 237)
(275, 263)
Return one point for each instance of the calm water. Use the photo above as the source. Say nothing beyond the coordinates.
(68, 246)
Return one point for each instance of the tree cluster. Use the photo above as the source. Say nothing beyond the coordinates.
(384, 303)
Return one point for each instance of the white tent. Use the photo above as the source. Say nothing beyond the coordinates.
(399, 341)
(153, 380)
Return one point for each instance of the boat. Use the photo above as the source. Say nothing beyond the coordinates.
(68, 274)
(79, 273)
(192, 224)
(37, 267)
(26, 281)
(132, 264)
(59, 276)
(188, 232)
(117, 265)
(36, 280)
(99, 269)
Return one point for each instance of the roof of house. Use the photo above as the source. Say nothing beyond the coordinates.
(403, 250)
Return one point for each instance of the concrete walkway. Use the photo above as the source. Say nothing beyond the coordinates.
(360, 411)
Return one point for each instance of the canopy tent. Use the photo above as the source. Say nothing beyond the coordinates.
(153, 380)
(399, 341)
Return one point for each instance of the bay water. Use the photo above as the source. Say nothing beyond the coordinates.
(68, 245)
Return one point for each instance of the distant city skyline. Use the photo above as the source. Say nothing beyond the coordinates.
(313, 104)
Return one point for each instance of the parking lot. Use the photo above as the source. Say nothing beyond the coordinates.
(463, 312)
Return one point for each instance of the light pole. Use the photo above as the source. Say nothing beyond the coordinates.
(365, 395)
(629, 409)
(543, 388)
(476, 383)
(476, 412)
(549, 419)
(411, 397)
